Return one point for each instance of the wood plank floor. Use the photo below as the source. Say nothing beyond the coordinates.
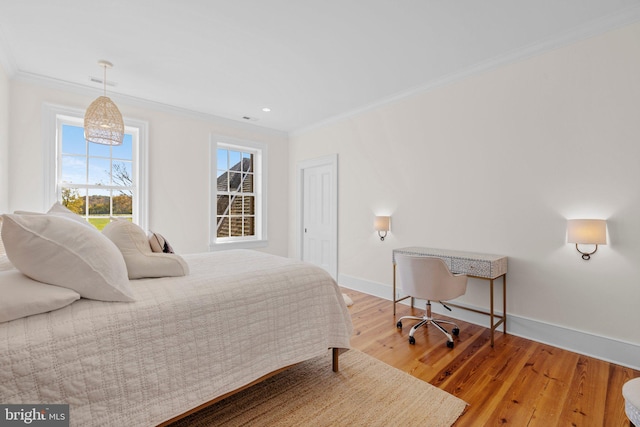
(518, 382)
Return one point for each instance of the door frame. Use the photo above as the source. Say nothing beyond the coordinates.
(328, 160)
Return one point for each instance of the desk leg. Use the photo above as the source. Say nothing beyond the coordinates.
(491, 311)
(394, 289)
(504, 304)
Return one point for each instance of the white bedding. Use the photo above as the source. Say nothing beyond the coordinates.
(186, 340)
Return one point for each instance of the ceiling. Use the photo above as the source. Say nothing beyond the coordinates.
(309, 61)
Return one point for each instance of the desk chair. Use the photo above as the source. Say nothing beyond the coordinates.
(631, 394)
(429, 278)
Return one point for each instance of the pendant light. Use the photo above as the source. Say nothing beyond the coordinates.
(103, 121)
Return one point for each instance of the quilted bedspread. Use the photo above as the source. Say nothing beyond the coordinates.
(186, 340)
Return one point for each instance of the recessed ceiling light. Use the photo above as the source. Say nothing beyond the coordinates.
(266, 109)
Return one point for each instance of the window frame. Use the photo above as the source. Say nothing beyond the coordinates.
(54, 116)
(259, 151)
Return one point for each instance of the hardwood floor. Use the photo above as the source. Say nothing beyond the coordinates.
(517, 382)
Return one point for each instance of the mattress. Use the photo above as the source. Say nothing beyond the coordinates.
(236, 317)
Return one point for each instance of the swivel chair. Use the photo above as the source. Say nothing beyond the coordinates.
(430, 279)
(631, 394)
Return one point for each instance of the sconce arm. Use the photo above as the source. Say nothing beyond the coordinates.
(586, 255)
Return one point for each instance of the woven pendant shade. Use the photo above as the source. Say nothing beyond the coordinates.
(103, 122)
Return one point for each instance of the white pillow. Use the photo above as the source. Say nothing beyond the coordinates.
(2, 251)
(22, 297)
(140, 259)
(59, 251)
(5, 264)
(58, 209)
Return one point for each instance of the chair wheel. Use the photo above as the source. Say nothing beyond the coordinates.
(412, 340)
(455, 331)
(450, 344)
(399, 325)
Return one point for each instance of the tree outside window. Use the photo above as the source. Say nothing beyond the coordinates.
(95, 181)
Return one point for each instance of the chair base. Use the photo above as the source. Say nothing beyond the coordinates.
(426, 320)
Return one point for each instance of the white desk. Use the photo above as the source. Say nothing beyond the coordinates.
(478, 265)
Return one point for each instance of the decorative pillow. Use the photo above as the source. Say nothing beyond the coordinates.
(5, 264)
(57, 209)
(22, 297)
(2, 251)
(140, 259)
(59, 251)
(159, 244)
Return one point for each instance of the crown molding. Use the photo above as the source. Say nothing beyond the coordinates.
(6, 58)
(133, 101)
(612, 22)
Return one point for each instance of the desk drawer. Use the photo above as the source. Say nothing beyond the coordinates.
(471, 267)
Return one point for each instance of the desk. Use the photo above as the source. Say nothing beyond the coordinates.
(476, 265)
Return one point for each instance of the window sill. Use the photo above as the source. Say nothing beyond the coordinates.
(238, 245)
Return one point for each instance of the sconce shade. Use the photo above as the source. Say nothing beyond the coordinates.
(587, 231)
(103, 122)
(382, 223)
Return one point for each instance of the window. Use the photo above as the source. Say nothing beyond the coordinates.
(98, 182)
(238, 196)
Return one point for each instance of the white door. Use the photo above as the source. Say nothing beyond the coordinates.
(318, 225)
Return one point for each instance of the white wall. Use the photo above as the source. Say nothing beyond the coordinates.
(496, 163)
(4, 140)
(178, 164)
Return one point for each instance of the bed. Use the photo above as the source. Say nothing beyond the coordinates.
(237, 316)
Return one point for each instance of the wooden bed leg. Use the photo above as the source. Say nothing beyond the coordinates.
(336, 353)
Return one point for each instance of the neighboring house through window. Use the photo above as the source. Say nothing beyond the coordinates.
(98, 182)
(238, 197)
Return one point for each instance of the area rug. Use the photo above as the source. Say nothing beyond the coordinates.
(366, 392)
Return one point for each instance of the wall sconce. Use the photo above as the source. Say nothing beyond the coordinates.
(587, 232)
(382, 224)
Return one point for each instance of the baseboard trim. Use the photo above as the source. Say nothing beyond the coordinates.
(603, 348)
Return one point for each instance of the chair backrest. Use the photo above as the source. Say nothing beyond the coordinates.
(429, 278)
